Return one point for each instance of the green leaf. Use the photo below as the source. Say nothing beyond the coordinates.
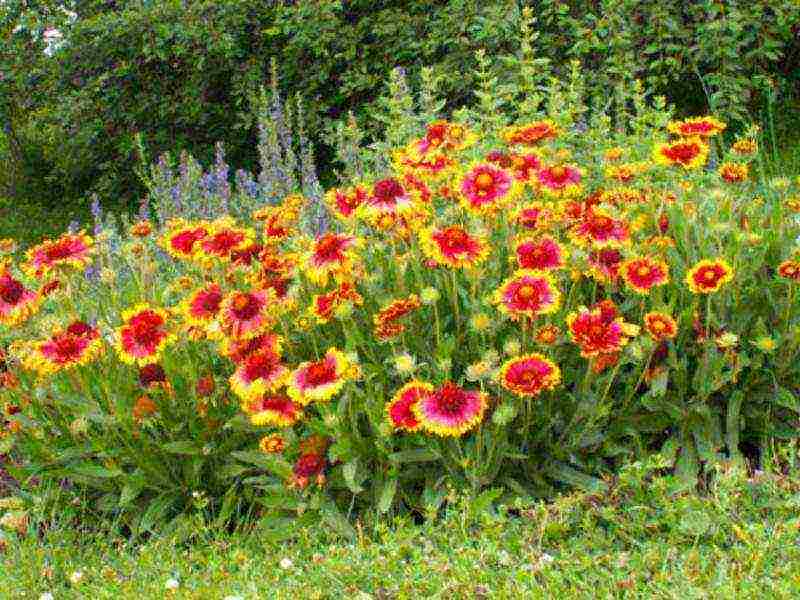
(787, 399)
(387, 495)
(414, 456)
(130, 491)
(334, 517)
(274, 464)
(567, 474)
(733, 425)
(94, 470)
(350, 472)
(184, 447)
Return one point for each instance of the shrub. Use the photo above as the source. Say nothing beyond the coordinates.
(502, 307)
(182, 74)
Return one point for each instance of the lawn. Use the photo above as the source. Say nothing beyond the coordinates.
(739, 538)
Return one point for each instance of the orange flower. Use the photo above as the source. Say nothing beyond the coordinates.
(323, 306)
(385, 320)
(530, 134)
(708, 276)
(318, 380)
(733, 172)
(144, 407)
(272, 444)
(246, 314)
(547, 335)
(660, 326)
(599, 229)
(744, 147)
(789, 269)
(560, 180)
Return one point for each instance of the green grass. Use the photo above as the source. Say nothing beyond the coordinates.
(739, 539)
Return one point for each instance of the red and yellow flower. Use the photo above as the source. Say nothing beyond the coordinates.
(237, 349)
(530, 134)
(543, 254)
(599, 330)
(561, 181)
(276, 410)
(246, 314)
(445, 136)
(689, 153)
(708, 276)
(535, 216)
(599, 229)
(643, 273)
(450, 410)
(486, 189)
(453, 246)
(332, 255)
(343, 202)
(77, 344)
(604, 264)
(181, 239)
(318, 380)
(400, 410)
(143, 335)
(323, 306)
(201, 308)
(260, 373)
(70, 250)
(17, 303)
(224, 238)
(660, 326)
(529, 375)
(528, 293)
(701, 127)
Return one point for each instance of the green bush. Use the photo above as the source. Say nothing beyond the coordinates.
(182, 74)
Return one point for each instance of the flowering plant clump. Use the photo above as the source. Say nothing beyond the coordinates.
(515, 305)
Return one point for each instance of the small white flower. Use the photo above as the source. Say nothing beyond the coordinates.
(172, 584)
(286, 563)
(546, 558)
(76, 577)
(46, 596)
(233, 598)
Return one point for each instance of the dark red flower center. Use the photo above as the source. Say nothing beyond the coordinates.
(387, 191)
(11, 290)
(450, 398)
(320, 373)
(245, 306)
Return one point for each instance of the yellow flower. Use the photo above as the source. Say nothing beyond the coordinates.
(405, 364)
(480, 322)
(765, 343)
